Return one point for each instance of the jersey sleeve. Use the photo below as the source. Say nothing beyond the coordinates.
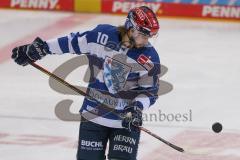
(75, 43)
(148, 86)
(148, 93)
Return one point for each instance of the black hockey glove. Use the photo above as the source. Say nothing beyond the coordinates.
(132, 118)
(26, 54)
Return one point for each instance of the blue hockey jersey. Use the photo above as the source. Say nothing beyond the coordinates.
(121, 76)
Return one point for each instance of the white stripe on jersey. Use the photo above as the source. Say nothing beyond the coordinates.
(103, 121)
(100, 76)
(70, 44)
(103, 51)
(144, 100)
(82, 42)
(54, 46)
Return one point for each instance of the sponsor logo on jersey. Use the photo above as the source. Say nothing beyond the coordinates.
(108, 100)
(91, 109)
(145, 62)
(115, 74)
(221, 11)
(39, 4)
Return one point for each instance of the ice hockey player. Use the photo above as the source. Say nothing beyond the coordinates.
(127, 79)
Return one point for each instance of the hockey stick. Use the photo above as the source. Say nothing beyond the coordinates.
(103, 105)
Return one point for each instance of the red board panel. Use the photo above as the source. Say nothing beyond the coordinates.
(64, 5)
(174, 9)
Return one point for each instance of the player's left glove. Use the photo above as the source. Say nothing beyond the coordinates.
(26, 54)
(132, 118)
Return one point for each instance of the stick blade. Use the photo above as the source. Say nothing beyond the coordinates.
(199, 151)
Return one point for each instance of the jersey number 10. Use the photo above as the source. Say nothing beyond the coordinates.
(102, 38)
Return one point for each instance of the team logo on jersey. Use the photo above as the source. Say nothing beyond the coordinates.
(115, 74)
(145, 62)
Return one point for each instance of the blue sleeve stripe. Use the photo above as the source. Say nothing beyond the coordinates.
(75, 45)
(153, 100)
(63, 43)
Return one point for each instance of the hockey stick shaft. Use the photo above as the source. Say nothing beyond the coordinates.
(162, 140)
(86, 95)
(59, 79)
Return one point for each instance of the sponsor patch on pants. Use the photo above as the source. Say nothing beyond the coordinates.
(127, 143)
(91, 145)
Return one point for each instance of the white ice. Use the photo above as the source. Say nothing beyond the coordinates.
(203, 61)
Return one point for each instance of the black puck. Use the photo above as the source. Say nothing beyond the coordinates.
(217, 127)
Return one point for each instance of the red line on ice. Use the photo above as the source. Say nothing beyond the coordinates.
(218, 143)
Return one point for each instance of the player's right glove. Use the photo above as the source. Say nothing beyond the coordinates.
(26, 54)
(132, 118)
